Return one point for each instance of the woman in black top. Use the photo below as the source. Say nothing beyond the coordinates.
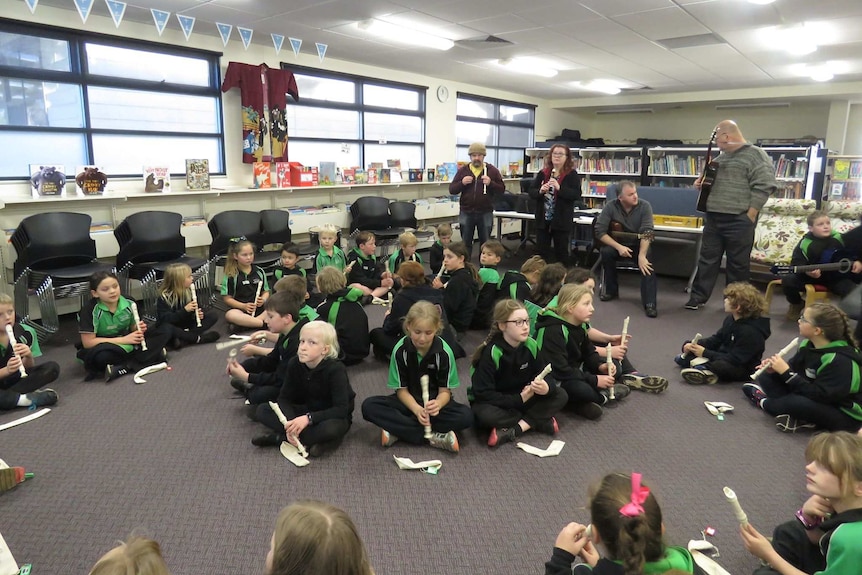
(556, 188)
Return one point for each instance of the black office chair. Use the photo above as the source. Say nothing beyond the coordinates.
(232, 224)
(55, 258)
(403, 215)
(149, 242)
(371, 213)
(276, 231)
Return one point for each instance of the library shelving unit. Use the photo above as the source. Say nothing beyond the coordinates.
(843, 178)
(599, 167)
(676, 167)
(795, 167)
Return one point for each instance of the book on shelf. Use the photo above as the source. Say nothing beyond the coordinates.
(48, 180)
(361, 176)
(841, 170)
(348, 175)
(394, 165)
(282, 174)
(262, 175)
(157, 179)
(376, 165)
(326, 173)
(198, 175)
(385, 175)
(372, 175)
(836, 191)
(90, 180)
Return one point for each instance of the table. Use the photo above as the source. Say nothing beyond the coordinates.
(694, 234)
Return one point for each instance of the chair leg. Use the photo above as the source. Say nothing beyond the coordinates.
(149, 295)
(769, 290)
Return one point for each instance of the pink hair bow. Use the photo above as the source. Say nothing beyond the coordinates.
(639, 495)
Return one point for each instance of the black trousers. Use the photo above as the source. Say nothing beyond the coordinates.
(580, 392)
(329, 431)
(727, 371)
(649, 284)
(537, 410)
(37, 376)
(189, 332)
(97, 358)
(387, 412)
(792, 544)
(561, 238)
(779, 401)
(723, 234)
(839, 284)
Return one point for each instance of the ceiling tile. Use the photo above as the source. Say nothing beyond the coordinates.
(618, 7)
(655, 24)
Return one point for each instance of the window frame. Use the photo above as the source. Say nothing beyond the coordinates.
(79, 75)
(496, 123)
(361, 108)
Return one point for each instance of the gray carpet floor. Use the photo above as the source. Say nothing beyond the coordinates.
(172, 459)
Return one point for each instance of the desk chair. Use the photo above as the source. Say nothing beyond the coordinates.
(371, 213)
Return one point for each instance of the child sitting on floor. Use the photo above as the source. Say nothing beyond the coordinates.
(735, 350)
(365, 273)
(329, 254)
(489, 258)
(404, 415)
(244, 288)
(176, 310)
(819, 387)
(342, 309)
(15, 390)
(518, 284)
(435, 254)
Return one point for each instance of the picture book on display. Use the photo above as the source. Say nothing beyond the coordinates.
(90, 180)
(282, 174)
(48, 180)
(198, 175)
(157, 179)
(326, 173)
(262, 177)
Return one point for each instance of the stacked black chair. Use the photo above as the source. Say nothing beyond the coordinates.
(403, 215)
(371, 214)
(55, 258)
(149, 242)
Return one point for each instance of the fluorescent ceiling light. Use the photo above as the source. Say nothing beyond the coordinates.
(403, 35)
(753, 105)
(604, 86)
(624, 111)
(532, 66)
(821, 72)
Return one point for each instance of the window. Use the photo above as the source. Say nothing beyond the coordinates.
(506, 128)
(71, 98)
(355, 121)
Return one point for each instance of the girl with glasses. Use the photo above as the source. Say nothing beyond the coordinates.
(820, 386)
(506, 395)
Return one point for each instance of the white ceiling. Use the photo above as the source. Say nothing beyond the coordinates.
(584, 39)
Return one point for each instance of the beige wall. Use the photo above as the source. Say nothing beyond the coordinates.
(853, 137)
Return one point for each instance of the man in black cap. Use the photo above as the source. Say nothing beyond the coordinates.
(477, 183)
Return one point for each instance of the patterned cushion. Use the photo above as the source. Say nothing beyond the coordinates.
(845, 215)
(781, 224)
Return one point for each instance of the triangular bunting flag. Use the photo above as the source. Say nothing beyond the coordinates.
(277, 41)
(187, 23)
(160, 17)
(295, 43)
(31, 4)
(321, 50)
(84, 7)
(245, 34)
(224, 31)
(117, 10)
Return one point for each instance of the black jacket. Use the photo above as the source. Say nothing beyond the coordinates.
(366, 270)
(502, 372)
(459, 299)
(324, 391)
(567, 348)
(514, 285)
(564, 199)
(273, 366)
(740, 342)
(343, 310)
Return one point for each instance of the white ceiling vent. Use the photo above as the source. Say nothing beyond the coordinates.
(691, 41)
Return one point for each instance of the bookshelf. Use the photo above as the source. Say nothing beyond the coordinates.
(791, 165)
(675, 167)
(843, 178)
(599, 167)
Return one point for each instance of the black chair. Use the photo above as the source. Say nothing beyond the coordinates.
(149, 242)
(403, 215)
(232, 224)
(276, 230)
(371, 214)
(55, 258)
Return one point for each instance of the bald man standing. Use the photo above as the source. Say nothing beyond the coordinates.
(744, 181)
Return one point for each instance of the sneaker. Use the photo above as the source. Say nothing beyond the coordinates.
(112, 372)
(208, 337)
(789, 424)
(755, 393)
(241, 386)
(698, 376)
(651, 311)
(386, 438)
(501, 436)
(693, 304)
(164, 354)
(268, 440)
(549, 427)
(621, 391)
(445, 441)
(794, 311)
(42, 397)
(591, 411)
(681, 360)
(647, 383)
